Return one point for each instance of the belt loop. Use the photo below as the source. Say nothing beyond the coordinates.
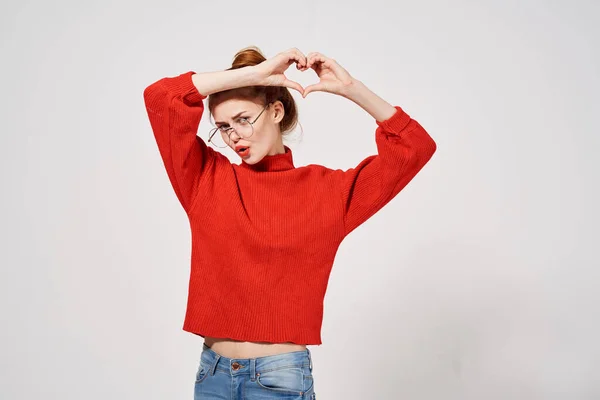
(214, 366)
(309, 360)
(253, 369)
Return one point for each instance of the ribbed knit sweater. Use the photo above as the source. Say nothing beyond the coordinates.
(264, 236)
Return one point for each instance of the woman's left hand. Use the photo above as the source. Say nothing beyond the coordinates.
(332, 77)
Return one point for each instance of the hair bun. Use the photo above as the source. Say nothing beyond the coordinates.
(261, 94)
(247, 57)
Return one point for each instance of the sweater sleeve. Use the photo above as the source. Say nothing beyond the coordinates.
(403, 148)
(175, 108)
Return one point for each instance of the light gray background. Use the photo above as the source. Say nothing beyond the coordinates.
(479, 281)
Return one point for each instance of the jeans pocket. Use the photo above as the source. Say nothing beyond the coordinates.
(283, 380)
(202, 372)
(308, 379)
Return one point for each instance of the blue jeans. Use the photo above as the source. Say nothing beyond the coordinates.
(281, 376)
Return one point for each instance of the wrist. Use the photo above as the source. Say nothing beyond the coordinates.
(254, 76)
(246, 76)
(365, 98)
(354, 91)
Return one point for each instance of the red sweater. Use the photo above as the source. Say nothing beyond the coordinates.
(264, 236)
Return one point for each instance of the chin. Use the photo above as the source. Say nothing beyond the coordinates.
(254, 158)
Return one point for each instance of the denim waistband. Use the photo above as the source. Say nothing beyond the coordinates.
(237, 366)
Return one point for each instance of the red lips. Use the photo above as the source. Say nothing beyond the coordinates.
(243, 151)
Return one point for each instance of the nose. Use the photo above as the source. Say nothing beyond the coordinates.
(234, 140)
(231, 137)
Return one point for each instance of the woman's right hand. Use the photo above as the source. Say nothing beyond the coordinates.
(271, 71)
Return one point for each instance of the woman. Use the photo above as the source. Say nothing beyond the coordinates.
(265, 232)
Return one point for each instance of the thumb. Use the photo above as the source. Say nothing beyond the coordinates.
(317, 87)
(294, 85)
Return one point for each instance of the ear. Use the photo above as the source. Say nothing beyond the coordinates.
(278, 111)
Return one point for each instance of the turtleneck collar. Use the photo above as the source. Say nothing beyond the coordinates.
(276, 162)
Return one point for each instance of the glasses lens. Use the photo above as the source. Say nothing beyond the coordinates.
(244, 128)
(218, 138)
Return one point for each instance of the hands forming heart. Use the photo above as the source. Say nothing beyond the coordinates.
(333, 78)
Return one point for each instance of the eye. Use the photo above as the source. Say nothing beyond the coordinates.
(243, 120)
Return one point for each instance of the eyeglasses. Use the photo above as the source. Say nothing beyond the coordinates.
(242, 127)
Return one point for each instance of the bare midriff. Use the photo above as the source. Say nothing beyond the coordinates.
(239, 349)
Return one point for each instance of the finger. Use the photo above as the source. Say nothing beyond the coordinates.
(328, 62)
(317, 63)
(315, 58)
(294, 58)
(301, 58)
(298, 57)
(314, 53)
(304, 66)
(318, 60)
(288, 57)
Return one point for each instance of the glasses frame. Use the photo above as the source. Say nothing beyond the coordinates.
(214, 131)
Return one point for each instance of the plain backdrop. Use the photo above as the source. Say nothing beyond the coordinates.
(478, 281)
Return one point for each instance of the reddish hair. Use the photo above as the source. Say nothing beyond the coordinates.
(251, 56)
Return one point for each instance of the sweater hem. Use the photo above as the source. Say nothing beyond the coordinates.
(252, 337)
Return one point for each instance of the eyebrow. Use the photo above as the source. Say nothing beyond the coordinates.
(234, 117)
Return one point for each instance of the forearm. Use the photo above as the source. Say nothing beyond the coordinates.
(377, 107)
(211, 82)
